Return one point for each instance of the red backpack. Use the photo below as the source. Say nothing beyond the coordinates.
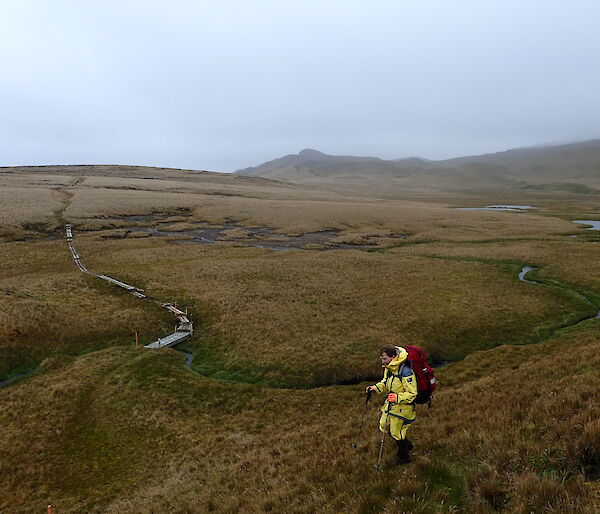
(426, 384)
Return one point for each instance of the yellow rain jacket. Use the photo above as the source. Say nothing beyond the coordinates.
(399, 379)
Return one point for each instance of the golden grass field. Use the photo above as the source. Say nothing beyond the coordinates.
(101, 426)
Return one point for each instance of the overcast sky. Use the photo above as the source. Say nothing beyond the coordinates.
(230, 84)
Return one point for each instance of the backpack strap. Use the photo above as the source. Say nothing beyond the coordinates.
(406, 365)
(401, 369)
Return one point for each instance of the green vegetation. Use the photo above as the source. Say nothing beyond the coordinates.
(284, 344)
(49, 308)
(130, 430)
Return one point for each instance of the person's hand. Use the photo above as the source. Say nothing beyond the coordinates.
(392, 397)
(370, 388)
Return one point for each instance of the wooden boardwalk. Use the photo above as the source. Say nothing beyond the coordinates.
(170, 340)
(183, 329)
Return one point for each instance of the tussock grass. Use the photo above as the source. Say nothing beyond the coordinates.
(130, 431)
(103, 427)
(25, 208)
(92, 202)
(564, 259)
(269, 304)
(332, 307)
(48, 307)
(362, 216)
(288, 208)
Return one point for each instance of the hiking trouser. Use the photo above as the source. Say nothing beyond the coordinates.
(398, 426)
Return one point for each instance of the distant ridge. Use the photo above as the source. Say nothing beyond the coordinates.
(573, 167)
(573, 159)
(304, 163)
(309, 163)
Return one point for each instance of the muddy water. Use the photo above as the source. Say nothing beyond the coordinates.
(259, 237)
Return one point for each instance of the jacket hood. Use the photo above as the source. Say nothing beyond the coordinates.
(398, 360)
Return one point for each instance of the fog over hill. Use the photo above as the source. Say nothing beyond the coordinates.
(571, 167)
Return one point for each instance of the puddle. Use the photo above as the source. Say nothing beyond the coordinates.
(511, 208)
(594, 225)
(259, 237)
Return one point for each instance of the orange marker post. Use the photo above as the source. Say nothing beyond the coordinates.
(137, 342)
(50, 509)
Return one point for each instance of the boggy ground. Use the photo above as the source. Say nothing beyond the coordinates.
(48, 307)
(312, 318)
(102, 427)
(292, 319)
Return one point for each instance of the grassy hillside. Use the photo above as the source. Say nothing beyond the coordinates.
(125, 430)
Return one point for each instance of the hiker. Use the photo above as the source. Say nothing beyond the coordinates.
(400, 383)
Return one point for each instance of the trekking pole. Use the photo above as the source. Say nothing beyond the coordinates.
(387, 423)
(362, 419)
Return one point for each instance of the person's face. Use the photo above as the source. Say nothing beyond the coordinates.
(385, 359)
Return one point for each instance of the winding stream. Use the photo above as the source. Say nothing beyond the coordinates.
(523, 272)
(14, 378)
(437, 364)
(527, 269)
(189, 357)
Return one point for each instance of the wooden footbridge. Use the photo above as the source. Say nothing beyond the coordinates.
(184, 327)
